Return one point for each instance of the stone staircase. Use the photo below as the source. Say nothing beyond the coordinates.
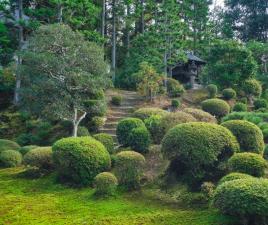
(131, 100)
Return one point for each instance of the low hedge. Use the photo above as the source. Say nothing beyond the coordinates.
(240, 107)
(229, 93)
(145, 113)
(216, 107)
(105, 184)
(10, 158)
(248, 163)
(200, 115)
(107, 140)
(234, 176)
(8, 145)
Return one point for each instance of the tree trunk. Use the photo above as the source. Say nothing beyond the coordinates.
(128, 31)
(60, 9)
(76, 121)
(103, 18)
(142, 17)
(113, 42)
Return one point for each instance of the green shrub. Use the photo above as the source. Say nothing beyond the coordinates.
(265, 154)
(175, 103)
(249, 136)
(153, 124)
(252, 87)
(200, 150)
(139, 139)
(200, 115)
(240, 107)
(174, 88)
(129, 167)
(96, 123)
(208, 188)
(10, 158)
(212, 90)
(265, 135)
(246, 199)
(8, 145)
(229, 93)
(107, 140)
(27, 148)
(124, 127)
(216, 107)
(117, 100)
(40, 157)
(260, 103)
(80, 159)
(145, 113)
(105, 184)
(244, 100)
(82, 131)
(249, 163)
(234, 176)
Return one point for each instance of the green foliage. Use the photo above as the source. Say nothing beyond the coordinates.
(216, 107)
(229, 93)
(243, 198)
(174, 88)
(200, 115)
(254, 117)
(248, 163)
(10, 158)
(139, 139)
(79, 160)
(23, 150)
(260, 103)
(200, 150)
(124, 128)
(244, 100)
(107, 140)
(240, 107)
(8, 145)
(175, 103)
(96, 123)
(208, 188)
(265, 154)
(82, 131)
(40, 157)
(144, 113)
(105, 184)
(117, 100)
(212, 90)
(234, 176)
(153, 124)
(129, 167)
(252, 87)
(248, 135)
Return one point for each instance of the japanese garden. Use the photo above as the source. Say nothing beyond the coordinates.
(127, 112)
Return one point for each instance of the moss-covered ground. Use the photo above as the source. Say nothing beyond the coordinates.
(43, 201)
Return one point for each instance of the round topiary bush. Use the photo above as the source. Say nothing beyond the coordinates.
(10, 158)
(27, 148)
(229, 93)
(105, 184)
(246, 199)
(82, 131)
(129, 167)
(117, 100)
(107, 140)
(240, 107)
(212, 90)
(124, 127)
(260, 103)
(8, 145)
(40, 157)
(200, 115)
(175, 103)
(216, 107)
(244, 100)
(249, 163)
(252, 87)
(144, 113)
(153, 124)
(139, 139)
(249, 136)
(234, 176)
(174, 88)
(201, 150)
(80, 159)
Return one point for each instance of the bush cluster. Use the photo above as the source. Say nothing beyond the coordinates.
(27, 148)
(252, 87)
(200, 150)
(240, 107)
(200, 115)
(107, 140)
(82, 131)
(216, 107)
(175, 103)
(105, 184)
(79, 160)
(260, 103)
(234, 176)
(10, 158)
(153, 124)
(117, 100)
(145, 113)
(212, 90)
(174, 88)
(248, 163)
(249, 136)
(229, 93)
(139, 139)
(8, 145)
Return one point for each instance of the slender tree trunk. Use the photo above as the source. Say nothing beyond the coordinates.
(76, 121)
(60, 10)
(128, 30)
(103, 18)
(113, 42)
(142, 24)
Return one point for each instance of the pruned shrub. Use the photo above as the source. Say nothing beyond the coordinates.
(200, 115)
(153, 124)
(200, 150)
(246, 199)
(229, 93)
(265, 135)
(265, 154)
(249, 163)
(107, 140)
(139, 139)
(260, 103)
(208, 188)
(117, 100)
(8, 145)
(144, 113)
(95, 124)
(124, 127)
(249, 136)
(82, 131)
(244, 100)
(10, 158)
(40, 157)
(129, 167)
(252, 87)
(80, 159)
(27, 148)
(234, 176)
(240, 107)
(174, 88)
(212, 90)
(216, 107)
(105, 184)
(175, 103)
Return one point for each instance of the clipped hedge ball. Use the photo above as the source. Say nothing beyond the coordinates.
(234, 176)
(200, 115)
(216, 107)
(153, 124)
(240, 107)
(10, 158)
(144, 113)
(106, 184)
(8, 145)
(79, 160)
(107, 140)
(229, 93)
(140, 139)
(27, 148)
(248, 135)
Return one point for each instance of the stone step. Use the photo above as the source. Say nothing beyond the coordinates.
(108, 130)
(124, 108)
(114, 118)
(110, 125)
(118, 113)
